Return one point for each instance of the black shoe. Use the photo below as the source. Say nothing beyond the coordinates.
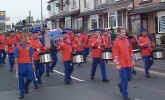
(20, 97)
(120, 88)
(134, 72)
(148, 76)
(47, 75)
(11, 70)
(40, 81)
(36, 87)
(105, 81)
(67, 83)
(26, 91)
(92, 78)
(126, 98)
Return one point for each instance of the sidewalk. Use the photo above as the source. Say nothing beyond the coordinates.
(159, 65)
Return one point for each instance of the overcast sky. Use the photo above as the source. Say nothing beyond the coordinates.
(18, 9)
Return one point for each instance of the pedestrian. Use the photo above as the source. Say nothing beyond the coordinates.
(146, 47)
(123, 59)
(23, 54)
(97, 48)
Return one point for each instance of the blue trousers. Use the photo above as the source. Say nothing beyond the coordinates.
(85, 53)
(54, 56)
(68, 70)
(147, 64)
(26, 75)
(39, 70)
(125, 75)
(2, 56)
(97, 61)
(11, 61)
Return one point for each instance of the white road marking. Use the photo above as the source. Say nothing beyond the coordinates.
(77, 79)
(152, 72)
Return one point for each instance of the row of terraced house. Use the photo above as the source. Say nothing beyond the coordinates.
(84, 15)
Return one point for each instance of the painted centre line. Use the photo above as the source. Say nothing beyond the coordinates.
(153, 72)
(77, 79)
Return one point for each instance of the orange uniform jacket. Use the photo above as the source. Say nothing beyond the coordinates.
(11, 43)
(97, 46)
(122, 52)
(2, 42)
(106, 41)
(145, 45)
(36, 45)
(84, 37)
(66, 51)
(77, 44)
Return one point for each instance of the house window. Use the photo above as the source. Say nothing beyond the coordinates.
(161, 24)
(94, 21)
(86, 3)
(73, 4)
(136, 24)
(115, 19)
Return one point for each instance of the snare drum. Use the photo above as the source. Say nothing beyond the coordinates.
(107, 55)
(45, 57)
(137, 54)
(78, 58)
(158, 53)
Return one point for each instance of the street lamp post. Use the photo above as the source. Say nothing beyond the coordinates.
(41, 17)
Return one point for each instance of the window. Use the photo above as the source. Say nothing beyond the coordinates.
(74, 4)
(94, 21)
(86, 3)
(112, 19)
(68, 22)
(161, 24)
(136, 24)
(116, 19)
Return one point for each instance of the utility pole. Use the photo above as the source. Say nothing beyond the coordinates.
(41, 16)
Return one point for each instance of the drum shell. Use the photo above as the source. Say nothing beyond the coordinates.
(137, 54)
(107, 55)
(77, 59)
(158, 54)
(45, 58)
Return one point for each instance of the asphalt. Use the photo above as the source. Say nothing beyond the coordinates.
(82, 88)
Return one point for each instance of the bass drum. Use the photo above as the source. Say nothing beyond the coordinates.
(137, 54)
(77, 59)
(107, 55)
(158, 53)
(45, 57)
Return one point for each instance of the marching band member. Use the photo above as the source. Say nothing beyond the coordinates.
(11, 43)
(85, 38)
(97, 48)
(66, 48)
(24, 53)
(145, 44)
(2, 48)
(77, 45)
(122, 57)
(39, 69)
